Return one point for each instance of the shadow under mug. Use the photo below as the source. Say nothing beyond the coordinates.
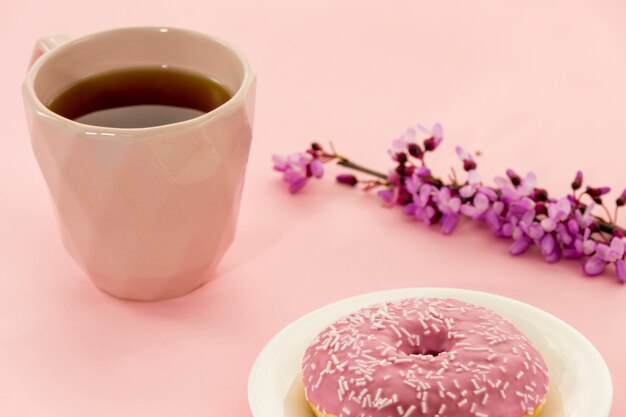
(147, 213)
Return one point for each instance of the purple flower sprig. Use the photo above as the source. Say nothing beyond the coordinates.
(298, 168)
(514, 208)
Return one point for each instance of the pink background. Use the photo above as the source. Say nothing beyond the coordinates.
(537, 86)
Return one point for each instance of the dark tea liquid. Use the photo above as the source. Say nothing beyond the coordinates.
(140, 97)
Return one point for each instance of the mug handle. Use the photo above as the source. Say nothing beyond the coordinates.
(46, 44)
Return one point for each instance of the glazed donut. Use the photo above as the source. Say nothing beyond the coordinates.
(424, 357)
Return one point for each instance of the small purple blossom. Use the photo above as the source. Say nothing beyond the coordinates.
(468, 162)
(435, 136)
(550, 248)
(512, 192)
(462, 154)
(297, 168)
(584, 244)
(421, 205)
(524, 208)
(594, 266)
(316, 169)
(499, 207)
(449, 206)
(408, 142)
(557, 212)
(387, 195)
(391, 193)
(422, 172)
(493, 221)
(520, 246)
(472, 185)
(477, 207)
(401, 143)
(564, 234)
(612, 253)
(533, 230)
(584, 218)
(447, 203)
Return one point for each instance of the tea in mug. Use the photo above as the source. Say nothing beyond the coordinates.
(140, 97)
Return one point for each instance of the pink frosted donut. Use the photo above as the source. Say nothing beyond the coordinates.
(423, 357)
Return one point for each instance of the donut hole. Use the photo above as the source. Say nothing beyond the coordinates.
(427, 344)
(425, 352)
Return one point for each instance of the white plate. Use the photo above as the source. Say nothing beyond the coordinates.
(580, 383)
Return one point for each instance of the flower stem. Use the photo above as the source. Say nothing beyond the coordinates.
(607, 227)
(345, 162)
(608, 213)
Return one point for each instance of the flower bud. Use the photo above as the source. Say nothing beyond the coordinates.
(515, 179)
(597, 191)
(622, 199)
(431, 144)
(415, 150)
(578, 181)
(539, 194)
(401, 157)
(469, 164)
(347, 179)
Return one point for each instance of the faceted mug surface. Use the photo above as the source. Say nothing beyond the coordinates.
(147, 213)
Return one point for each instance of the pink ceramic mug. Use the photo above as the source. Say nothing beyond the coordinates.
(146, 212)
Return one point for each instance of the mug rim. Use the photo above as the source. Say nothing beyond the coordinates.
(237, 99)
